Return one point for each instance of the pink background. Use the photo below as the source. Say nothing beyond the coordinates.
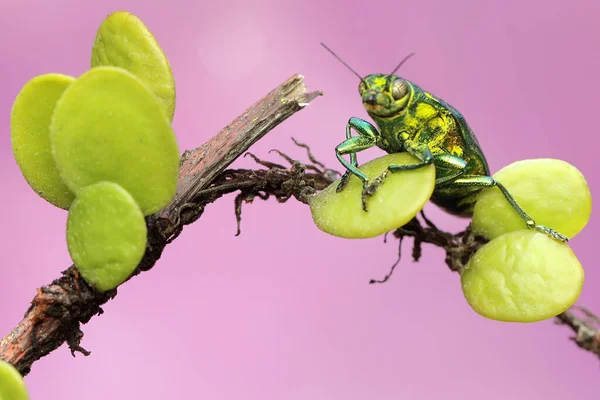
(285, 311)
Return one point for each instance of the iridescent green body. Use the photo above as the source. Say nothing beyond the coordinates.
(428, 119)
(413, 120)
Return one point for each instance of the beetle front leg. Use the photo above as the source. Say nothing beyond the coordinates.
(368, 137)
(353, 160)
(488, 181)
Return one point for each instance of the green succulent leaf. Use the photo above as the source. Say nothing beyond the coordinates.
(106, 235)
(30, 137)
(108, 126)
(522, 276)
(124, 41)
(398, 200)
(12, 386)
(553, 192)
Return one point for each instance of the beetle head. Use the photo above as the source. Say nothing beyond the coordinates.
(384, 95)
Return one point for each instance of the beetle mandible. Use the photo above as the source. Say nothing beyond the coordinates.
(413, 120)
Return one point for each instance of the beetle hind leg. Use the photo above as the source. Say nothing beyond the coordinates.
(488, 181)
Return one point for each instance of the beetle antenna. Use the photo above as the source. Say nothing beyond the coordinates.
(402, 62)
(343, 62)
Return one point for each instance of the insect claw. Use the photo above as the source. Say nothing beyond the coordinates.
(560, 237)
(343, 182)
(552, 233)
(369, 189)
(364, 202)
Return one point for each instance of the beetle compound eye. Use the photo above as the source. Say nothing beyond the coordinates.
(399, 89)
(362, 87)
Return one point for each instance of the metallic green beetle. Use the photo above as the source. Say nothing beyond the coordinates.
(413, 120)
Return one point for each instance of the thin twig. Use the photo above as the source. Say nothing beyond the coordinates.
(459, 248)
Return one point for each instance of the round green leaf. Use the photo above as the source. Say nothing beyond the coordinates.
(12, 386)
(401, 196)
(30, 136)
(124, 41)
(106, 235)
(108, 126)
(553, 192)
(522, 276)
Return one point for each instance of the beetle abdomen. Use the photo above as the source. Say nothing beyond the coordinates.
(459, 204)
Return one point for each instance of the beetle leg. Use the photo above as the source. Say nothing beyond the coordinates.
(353, 161)
(366, 139)
(488, 181)
(419, 150)
(454, 164)
(370, 188)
